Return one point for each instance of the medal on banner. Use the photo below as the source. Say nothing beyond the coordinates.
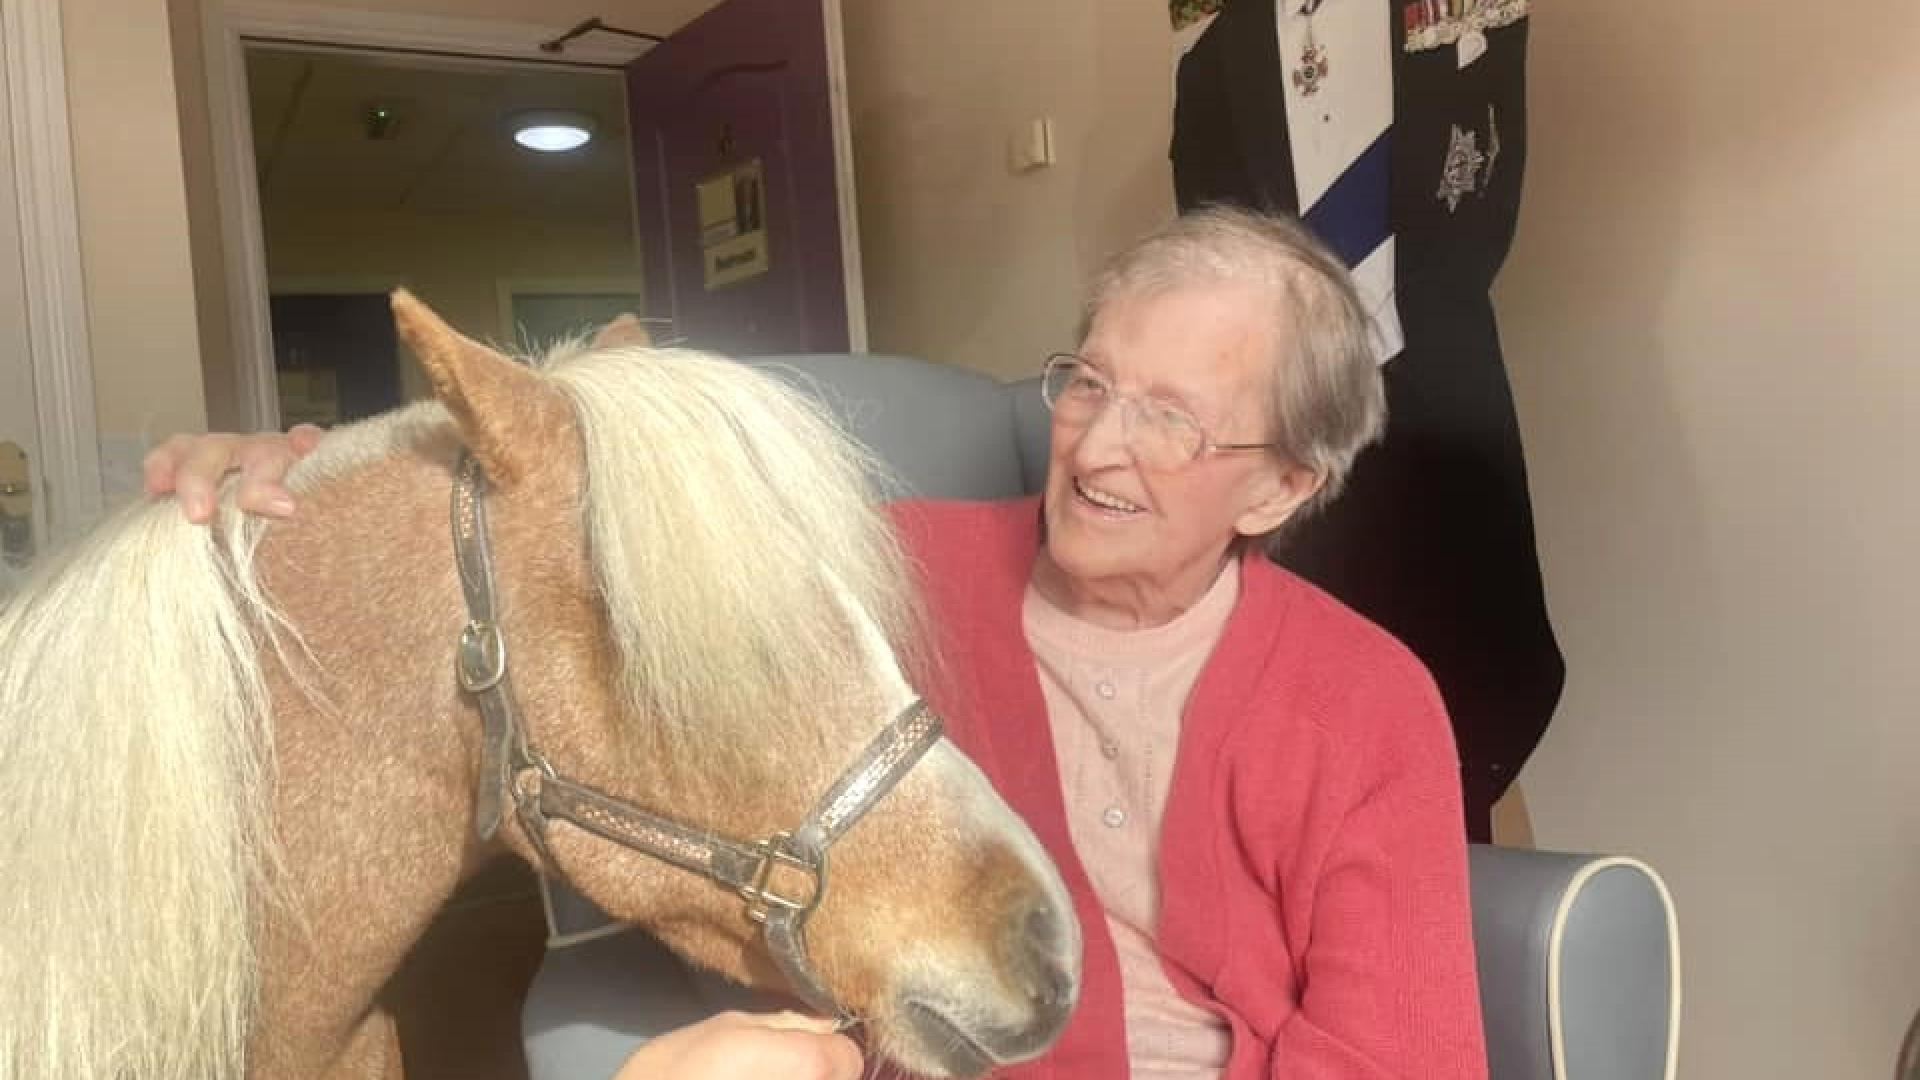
(1431, 24)
(1468, 169)
(1313, 58)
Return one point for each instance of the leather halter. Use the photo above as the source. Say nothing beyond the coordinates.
(782, 878)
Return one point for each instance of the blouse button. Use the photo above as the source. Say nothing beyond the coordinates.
(1109, 749)
(1114, 817)
(1104, 689)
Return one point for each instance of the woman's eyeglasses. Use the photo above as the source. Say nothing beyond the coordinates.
(1161, 435)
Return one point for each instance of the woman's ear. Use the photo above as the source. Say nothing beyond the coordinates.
(1278, 494)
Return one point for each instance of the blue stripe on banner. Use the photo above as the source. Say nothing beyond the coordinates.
(1352, 216)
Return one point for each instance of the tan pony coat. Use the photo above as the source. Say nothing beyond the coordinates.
(237, 779)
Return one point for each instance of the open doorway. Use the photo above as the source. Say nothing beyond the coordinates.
(747, 89)
(378, 170)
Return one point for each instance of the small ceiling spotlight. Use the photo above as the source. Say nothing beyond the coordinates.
(552, 131)
(380, 120)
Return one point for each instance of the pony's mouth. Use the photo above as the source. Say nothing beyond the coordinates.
(957, 1052)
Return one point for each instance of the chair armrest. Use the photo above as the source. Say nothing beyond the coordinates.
(1579, 962)
(594, 1003)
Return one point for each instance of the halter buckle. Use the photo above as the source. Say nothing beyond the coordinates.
(775, 856)
(482, 659)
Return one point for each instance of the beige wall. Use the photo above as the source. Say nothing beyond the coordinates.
(1710, 324)
(134, 245)
(965, 262)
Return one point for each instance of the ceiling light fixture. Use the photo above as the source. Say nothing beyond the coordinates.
(381, 118)
(552, 131)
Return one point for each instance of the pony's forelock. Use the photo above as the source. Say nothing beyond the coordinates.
(728, 519)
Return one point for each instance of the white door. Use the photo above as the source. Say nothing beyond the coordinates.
(22, 521)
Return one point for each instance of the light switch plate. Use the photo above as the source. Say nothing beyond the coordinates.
(1030, 146)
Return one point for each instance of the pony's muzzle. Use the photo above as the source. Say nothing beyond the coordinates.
(1040, 963)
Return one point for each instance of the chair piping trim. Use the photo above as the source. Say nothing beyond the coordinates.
(1556, 1034)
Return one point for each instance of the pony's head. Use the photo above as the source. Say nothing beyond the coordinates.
(706, 615)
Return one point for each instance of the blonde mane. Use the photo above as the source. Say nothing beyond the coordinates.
(723, 511)
(134, 833)
(726, 516)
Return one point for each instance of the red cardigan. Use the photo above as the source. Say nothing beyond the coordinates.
(1312, 860)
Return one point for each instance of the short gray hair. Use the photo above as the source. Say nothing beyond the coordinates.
(1327, 402)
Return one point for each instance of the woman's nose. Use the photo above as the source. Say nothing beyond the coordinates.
(1104, 440)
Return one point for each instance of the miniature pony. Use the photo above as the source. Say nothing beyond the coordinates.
(242, 768)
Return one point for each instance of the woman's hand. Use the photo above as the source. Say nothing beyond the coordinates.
(192, 466)
(748, 1046)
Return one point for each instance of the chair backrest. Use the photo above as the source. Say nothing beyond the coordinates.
(944, 432)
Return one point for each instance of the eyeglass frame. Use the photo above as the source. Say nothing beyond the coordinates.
(1207, 444)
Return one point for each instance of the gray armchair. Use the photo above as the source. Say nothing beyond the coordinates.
(1578, 954)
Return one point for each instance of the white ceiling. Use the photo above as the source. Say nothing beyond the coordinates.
(450, 149)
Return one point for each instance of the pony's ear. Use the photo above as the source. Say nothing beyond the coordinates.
(625, 330)
(504, 410)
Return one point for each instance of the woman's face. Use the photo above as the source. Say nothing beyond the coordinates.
(1154, 540)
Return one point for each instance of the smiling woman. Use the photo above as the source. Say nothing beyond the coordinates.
(1139, 524)
(1128, 635)
(1187, 364)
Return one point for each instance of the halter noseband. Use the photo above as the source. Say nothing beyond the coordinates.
(782, 878)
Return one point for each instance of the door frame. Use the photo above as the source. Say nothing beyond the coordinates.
(68, 467)
(841, 105)
(227, 24)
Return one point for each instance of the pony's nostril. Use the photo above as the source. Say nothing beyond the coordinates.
(1045, 929)
(1043, 926)
(1051, 987)
(1027, 1007)
(1043, 963)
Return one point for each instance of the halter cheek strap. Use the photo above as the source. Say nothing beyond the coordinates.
(481, 662)
(782, 878)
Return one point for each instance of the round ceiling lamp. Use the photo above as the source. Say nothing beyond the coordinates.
(553, 131)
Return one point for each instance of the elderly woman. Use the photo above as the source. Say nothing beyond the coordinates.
(1251, 791)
